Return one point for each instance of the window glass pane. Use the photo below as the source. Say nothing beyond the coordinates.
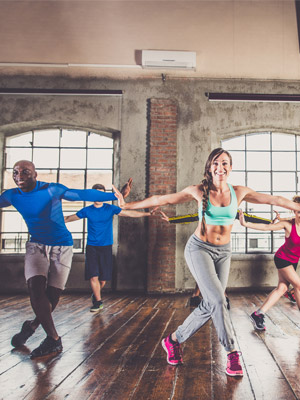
(99, 158)
(72, 179)
(237, 227)
(237, 178)
(259, 181)
(25, 139)
(49, 175)
(284, 213)
(258, 161)
(284, 181)
(8, 182)
(17, 154)
(47, 138)
(257, 209)
(71, 158)
(103, 177)
(283, 161)
(72, 205)
(73, 139)
(45, 158)
(13, 242)
(13, 221)
(78, 246)
(95, 140)
(260, 141)
(281, 141)
(278, 239)
(259, 242)
(238, 160)
(236, 143)
(74, 226)
(238, 242)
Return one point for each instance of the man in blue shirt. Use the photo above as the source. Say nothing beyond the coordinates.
(49, 251)
(99, 261)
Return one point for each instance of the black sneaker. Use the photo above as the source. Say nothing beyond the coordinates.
(97, 306)
(228, 303)
(258, 321)
(20, 338)
(290, 295)
(195, 301)
(48, 346)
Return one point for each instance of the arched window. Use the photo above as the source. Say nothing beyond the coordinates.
(75, 158)
(267, 162)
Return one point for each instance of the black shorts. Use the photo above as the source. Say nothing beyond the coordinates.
(281, 263)
(98, 262)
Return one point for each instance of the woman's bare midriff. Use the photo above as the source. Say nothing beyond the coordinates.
(215, 234)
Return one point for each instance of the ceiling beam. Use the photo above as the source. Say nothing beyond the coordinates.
(256, 97)
(59, 92)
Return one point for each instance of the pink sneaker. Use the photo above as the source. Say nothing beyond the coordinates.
(174, 356)
(234, 367)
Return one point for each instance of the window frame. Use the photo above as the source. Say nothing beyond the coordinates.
(59, 171)
(249, 234)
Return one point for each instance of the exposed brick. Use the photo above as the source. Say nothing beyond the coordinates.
(162, 172)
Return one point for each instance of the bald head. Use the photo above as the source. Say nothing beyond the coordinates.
(24, 175)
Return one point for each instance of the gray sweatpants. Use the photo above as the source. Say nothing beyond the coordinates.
(209, 265)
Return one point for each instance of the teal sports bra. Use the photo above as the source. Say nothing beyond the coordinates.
(221, 215)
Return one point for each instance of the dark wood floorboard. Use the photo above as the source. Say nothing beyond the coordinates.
(117, 354)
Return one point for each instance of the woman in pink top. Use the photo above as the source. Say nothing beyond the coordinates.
(286, 259)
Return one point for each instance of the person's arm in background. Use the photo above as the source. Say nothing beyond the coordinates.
(263, 227)
(71, 218)
(135, 214)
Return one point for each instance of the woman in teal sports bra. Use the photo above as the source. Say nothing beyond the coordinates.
(208, 251)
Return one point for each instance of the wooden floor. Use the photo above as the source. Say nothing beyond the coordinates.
(116, 354)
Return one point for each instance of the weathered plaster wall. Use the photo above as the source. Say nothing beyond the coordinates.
(201, 127)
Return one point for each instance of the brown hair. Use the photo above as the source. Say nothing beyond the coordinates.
(296, 199)
(98, 186)
(207, 182)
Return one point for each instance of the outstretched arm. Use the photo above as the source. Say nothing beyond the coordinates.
(88, 195)
(71, 218)
(158, 200)
(246, 194)
(134, 213)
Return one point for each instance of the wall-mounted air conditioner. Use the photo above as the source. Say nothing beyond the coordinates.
(168, 59)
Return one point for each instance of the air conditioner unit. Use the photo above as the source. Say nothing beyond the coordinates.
(168, 59)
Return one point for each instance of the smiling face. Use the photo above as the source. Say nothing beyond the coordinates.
(220, 168)
(24, 175)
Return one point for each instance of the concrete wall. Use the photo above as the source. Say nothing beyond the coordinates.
(201, 127)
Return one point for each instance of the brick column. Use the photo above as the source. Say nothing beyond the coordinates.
(162, 176)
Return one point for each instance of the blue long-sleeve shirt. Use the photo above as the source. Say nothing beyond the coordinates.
(41, 209)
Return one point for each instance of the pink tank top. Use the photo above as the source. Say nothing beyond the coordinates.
(290, 250)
